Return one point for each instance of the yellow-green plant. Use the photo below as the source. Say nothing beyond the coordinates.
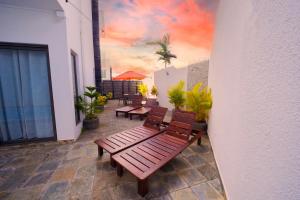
(109, 95)
(101, 100)
(143, 89)
(154, 90)
(176, 95)
(199, 101)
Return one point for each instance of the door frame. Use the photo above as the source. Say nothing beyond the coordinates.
(35, 47)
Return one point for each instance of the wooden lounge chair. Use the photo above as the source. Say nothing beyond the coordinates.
(145, 158)
(136, 103)
(122, 140)
(143, 111)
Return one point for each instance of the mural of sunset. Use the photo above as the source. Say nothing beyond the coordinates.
(128, 26)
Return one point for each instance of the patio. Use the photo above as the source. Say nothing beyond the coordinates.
(50, 170)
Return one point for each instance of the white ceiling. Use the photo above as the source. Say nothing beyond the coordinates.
(39, 4)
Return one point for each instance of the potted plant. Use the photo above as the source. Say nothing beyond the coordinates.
(143, 89)
(154, 90)
(176, 95)
(109, 95)
(199, 101)
(101, 101)
(88, 105)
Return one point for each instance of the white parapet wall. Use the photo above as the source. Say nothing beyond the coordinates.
(254, 74)
(164, 79)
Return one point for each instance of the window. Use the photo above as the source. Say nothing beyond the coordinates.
(75, 85)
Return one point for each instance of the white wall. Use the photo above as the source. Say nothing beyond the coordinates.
(164, 81)
(149, 81)
(23, 25)
(80, 41)
(61, 34)
(255, 79)
(197, 72)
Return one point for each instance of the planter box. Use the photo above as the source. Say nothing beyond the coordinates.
(200, 126)
(90, 124)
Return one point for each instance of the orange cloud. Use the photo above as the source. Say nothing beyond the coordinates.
(111, 33)
(129, 24)
(191, 24)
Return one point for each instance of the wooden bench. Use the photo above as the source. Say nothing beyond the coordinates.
(122, 140)
(145, 158)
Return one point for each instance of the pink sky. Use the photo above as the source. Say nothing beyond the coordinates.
(128, 25)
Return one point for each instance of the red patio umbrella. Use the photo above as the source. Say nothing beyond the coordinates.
(130, 75)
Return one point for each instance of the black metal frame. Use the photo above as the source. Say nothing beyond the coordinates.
(35, 47)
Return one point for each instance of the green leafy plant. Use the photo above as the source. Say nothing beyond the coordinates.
(88, 103)
(154, 90)
(109, 95)
(199, 101)
(164, 52)
(143, 89)
(176, 95)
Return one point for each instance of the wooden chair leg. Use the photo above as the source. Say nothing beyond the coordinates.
(100, 151)
(117, 114)
(130, 116)
(112, 162)
(119, 170)
(142, 187)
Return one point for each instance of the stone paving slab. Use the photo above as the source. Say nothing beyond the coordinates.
(73, 170)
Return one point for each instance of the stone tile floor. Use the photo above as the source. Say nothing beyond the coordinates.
(50, 170)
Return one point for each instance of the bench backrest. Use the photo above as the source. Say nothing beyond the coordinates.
(136, 100)
(181, 124)
(155, 117)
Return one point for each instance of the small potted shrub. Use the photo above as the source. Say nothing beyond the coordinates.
(176, 95)
(199, 101)
(109, 95)
(143, 89)
(154, 90)
(101, 101)
(88, 105)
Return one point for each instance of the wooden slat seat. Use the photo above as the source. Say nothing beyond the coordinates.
(151, 154)
(145, 158)
(136, 104)
(125, 139)
(141, 112)
(126, 110)
(121, 140)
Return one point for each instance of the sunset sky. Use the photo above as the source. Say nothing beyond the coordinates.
(128, 25)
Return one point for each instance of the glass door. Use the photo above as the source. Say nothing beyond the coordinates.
(26, 111)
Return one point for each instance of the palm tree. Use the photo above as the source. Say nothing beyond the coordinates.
(164, 52)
